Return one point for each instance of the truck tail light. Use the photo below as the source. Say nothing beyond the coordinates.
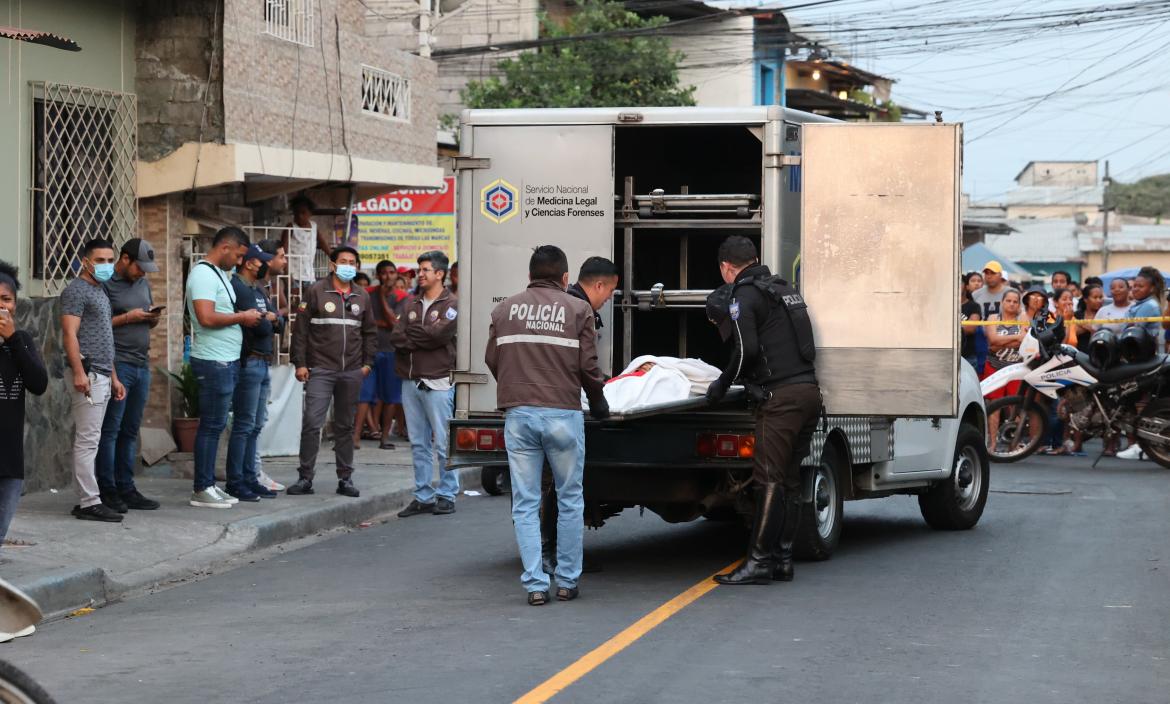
(479, 439)
(725, 445)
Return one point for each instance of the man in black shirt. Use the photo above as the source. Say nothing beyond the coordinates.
(250, 401)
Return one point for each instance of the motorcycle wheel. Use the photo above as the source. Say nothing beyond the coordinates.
(1007, 440)
(1158, 411)
(18, 688)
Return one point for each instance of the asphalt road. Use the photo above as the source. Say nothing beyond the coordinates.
(1061, 594)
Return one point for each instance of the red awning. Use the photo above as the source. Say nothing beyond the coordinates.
(34, 37)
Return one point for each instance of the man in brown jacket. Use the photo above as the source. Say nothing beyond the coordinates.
(424, 351)
(334, 341)
(542, 350)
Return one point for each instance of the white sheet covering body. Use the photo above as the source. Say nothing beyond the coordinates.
(670, 379)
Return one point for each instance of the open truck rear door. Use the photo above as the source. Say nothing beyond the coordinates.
(879, 265)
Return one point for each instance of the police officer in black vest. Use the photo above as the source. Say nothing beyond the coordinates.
(768, 323)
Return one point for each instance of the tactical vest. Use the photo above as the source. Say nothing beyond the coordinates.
(787, 347)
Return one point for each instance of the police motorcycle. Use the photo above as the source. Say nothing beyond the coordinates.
(1121, 386)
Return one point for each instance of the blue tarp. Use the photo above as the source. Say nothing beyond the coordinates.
(1129, 273)
(978, 254)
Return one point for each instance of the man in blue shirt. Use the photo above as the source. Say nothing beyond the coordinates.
(216, 340)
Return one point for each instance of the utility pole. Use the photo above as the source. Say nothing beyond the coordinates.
(424, 28)
(1105, 224)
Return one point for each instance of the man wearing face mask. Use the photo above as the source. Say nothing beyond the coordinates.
(88, 338)
(334, 342)
(216, 337)
(135, 315)
(768, 324)
(250, 400)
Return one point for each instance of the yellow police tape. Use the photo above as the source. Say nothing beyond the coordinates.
(1110, 321)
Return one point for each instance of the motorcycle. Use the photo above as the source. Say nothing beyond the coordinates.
(18, 616)
(1105, 401)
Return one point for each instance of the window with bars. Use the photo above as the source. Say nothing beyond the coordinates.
(291, 20)
(85, 144)
(385, 94)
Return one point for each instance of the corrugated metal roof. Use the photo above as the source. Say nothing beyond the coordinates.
(35, 37)
(1054, 195)
(1128, 238)
(1039, 241)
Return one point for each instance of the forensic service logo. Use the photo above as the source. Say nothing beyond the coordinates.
(497, 201)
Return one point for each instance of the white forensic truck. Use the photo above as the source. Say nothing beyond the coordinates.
(864, 217)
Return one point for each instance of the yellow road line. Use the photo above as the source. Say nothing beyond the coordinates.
(590, 661)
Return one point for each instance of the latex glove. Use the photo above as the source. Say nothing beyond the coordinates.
(599, 410)
(717, 390)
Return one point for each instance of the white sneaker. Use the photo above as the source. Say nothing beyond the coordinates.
(224, 495)
(269, 483)
(5, 637)
(209, 498)
(1133, 452)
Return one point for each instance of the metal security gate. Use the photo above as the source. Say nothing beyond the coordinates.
(85, 151)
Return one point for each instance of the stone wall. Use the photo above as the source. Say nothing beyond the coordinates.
(48, 428)
(176, 40)
(283, 94)
(472, 23)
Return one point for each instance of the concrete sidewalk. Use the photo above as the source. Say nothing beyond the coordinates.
(65, 563)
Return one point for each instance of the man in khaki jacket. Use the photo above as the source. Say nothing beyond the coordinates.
(542, 350)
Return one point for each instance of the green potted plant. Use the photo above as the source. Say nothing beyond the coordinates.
(184, 427)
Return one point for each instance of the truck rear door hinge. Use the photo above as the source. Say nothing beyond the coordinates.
(469, 378)
(463, 163)
(779, 161)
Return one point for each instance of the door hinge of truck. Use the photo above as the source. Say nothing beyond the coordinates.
(465, 163)
(779, 161)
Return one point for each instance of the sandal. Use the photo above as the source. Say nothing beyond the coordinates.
(566, 593)
(537, 598)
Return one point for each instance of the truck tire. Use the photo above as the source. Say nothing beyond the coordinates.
(16, 686)
(821, 521)
(1002, 416)
(957, 502)
(495, 480)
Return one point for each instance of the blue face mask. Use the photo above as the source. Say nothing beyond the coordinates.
(103, 272)
(346, 272)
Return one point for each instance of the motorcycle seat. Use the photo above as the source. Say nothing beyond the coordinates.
(1122, 372)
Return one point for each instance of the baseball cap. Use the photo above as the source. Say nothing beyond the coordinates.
(993, 265)
(406, 270)
(254, 252)
(140, 251)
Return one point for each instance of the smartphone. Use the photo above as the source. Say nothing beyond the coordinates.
(157, 309)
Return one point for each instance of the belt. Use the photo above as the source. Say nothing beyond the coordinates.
(261, 355)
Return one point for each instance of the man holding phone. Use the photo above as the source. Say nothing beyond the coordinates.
(134, 315)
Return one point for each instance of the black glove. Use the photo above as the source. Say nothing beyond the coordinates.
(717, 390)
(599, 409)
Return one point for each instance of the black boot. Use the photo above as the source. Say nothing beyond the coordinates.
(782, 570)
(757, 568)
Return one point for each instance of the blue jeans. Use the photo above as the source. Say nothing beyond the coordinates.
(427, 416)
(118, 447)
(249, 413)
(217, 384)
(9, 497)
(532, 436)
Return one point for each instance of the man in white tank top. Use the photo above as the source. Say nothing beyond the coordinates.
(302, 240)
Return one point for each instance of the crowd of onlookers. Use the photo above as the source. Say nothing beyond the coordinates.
(1085, 309)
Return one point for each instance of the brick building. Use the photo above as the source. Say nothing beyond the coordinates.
(180, 116)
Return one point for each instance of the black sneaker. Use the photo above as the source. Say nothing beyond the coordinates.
(416, 507)
(112, 501)
(97, 512)
(345, 487)
(138, 502)
(444, 506)
(241, 492)
(300, 486)
(262, 491)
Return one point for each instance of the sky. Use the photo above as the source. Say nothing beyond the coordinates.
(1051, 80)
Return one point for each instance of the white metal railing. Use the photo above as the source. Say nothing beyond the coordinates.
(291, 20)
(85, 153)
(385, 94)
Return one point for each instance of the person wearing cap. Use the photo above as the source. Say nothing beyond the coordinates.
(990, 297)
(134, 315)
(334, 343)
(250, 399)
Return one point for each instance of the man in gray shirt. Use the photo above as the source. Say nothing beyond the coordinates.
(88, 339)
(134, 315)
(995, 286)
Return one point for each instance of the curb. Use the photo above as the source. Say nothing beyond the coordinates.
(59, 593)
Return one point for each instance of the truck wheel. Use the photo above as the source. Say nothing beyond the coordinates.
(957, 502)
(1015, 429)
(495, 480)
(821, 521)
